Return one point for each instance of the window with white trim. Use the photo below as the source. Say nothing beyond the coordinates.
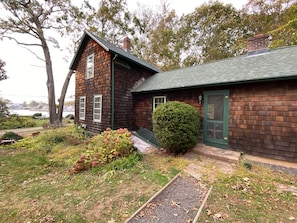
(90, 66)
(157, 100)
(82, 108)
(97, 108)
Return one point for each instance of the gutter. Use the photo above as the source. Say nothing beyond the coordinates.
(112, 91)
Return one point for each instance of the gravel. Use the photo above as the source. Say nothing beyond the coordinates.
(178, 202)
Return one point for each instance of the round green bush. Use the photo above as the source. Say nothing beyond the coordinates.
(176, 126)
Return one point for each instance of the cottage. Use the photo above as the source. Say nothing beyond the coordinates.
(104, 78)
(247, 103)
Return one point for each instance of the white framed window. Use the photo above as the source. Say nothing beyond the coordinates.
(97, 108)
(90, 66)
(157, 100)
(82, 108)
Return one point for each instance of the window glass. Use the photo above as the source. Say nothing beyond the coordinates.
(82, 108)
(97, 108)
(90, 66)
(158, 100)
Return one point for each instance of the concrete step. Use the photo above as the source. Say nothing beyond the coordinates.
(216, 153)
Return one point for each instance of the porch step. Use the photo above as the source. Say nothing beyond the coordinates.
(216, 153)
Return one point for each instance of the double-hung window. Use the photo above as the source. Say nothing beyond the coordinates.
(157, 100)
(82, 108)
(90, 66)
(97, 108)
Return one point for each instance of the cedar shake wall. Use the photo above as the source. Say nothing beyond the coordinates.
(263, 119)
(126, 78)
(100, 84)
(143, 105)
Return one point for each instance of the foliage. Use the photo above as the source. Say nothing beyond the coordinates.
(36, 115)
(275, 17)
(48, 139)
(105, 148)
(16, 121)
(158, 40)
(3, 75)
(11, 135)
(3, 109)
(110, 20)
(213, 31)
(176, 126)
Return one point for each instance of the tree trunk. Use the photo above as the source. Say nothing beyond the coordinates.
(50, 84)
(63, 94)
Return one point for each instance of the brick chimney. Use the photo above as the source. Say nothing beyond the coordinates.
(127, 44)
(258, 44)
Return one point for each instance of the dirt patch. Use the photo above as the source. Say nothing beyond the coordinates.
(178, 202)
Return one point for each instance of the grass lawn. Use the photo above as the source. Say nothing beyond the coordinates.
(35, 187)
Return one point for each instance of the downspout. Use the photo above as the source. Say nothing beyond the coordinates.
(112, 91)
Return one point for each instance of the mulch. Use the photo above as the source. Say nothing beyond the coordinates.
(178, 202)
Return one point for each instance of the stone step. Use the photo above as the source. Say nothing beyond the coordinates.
(217, 153)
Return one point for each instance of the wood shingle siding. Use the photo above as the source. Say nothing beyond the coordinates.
(100, 84)
(126, 78)
(262, 119)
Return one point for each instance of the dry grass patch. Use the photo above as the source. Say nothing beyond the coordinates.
(252, 196)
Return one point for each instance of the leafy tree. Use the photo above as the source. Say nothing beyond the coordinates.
(109, 20)
(3, 75)
(275, 17)
(162, 43)
(214, 31)
(35, 18)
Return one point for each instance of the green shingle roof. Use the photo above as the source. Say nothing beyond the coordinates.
(112, 48)
(277, 64)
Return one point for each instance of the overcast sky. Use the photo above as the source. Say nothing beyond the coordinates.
(27, 76)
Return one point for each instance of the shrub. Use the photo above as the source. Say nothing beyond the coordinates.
(105, 148)
(176, 126)
(37, 115)
(11, 135)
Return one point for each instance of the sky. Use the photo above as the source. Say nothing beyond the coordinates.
(27, 76)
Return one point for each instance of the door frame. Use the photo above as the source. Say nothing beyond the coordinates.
(220, 143)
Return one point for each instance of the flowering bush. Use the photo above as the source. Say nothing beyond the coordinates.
(104, 148)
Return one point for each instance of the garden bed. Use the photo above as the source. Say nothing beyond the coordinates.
(179, 201)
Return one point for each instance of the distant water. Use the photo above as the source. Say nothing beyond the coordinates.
(45, 114)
